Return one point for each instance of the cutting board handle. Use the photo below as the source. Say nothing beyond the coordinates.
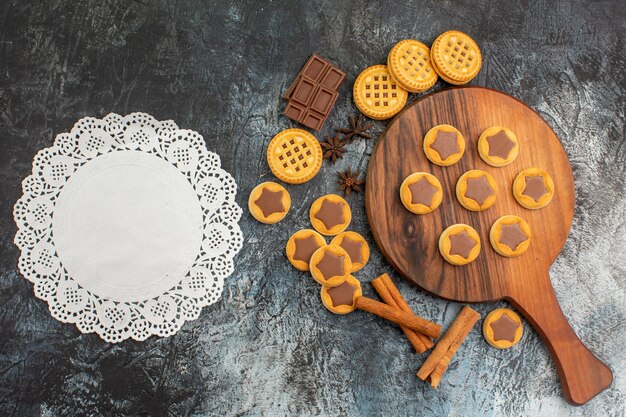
(582, 374)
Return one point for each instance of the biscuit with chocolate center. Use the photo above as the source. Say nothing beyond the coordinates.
(503, 328)
(476, 190)
(421, 193)
(444, 145)
(269, 202)
(459, 244)
(301, 246)
(330, 264)
(510, 236)
(330, 214)
(341, 299)
(498, 146)
(533, 188)
(355, 246)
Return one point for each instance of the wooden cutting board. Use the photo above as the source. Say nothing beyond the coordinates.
(409, 241)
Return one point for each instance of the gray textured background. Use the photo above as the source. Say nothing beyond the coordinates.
(269, 347)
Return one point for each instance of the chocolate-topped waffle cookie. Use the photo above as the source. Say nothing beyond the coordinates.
(294, 156)
(409, 64)
(456, 57)
(377, 94)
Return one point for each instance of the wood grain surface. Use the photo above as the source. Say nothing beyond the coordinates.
(409, 241)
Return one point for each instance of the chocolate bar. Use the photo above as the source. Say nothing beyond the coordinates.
(313, 93)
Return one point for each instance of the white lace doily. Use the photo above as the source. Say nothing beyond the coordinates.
(127, 226)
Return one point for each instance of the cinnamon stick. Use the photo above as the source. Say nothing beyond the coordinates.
(398, 316)
(386, 296)
(404, 306)
(439, 359)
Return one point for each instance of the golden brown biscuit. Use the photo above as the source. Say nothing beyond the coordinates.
(459, 244)
(409, 64)
(476, 190)
(421, 193)
(498, 146)
(341, 299)
(301, 246)
(294, 156)
(376, 93)
(456, 57)
(329, 265)
(510, 236)
(356, 246)
(269, 202)
(502, 328)
(444, 145)
(533, 188)
(330, 214)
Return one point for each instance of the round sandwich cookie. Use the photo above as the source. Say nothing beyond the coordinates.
(269, 202)
(409, 64)
(533, 188)
(444, 145)
(455, 57)
(356, 246)
(329, 265)
(377, 94)
(476, 190)
(503, 328)
(510, 236)
(459, 244)
(294, 156)
(330, 214)
(301, 246)
(498, 146)
(421, 193)
(341, 299)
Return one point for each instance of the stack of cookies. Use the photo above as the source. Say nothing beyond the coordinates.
(381, 91)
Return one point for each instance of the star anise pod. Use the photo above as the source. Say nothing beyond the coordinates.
(333, 148)
(349, 181)
(357, 129)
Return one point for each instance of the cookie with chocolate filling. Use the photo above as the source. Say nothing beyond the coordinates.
(356, 246)
(421, 193)
(329, 265)
(444, 145)
(459, 244)
(502, 328)
(341, 299)
(330, 214)
(498, 146)
(510, 236)
(476, 190)
(294, 156)
(301, 246)
(269, 202)
(533, 188)
(455, 57)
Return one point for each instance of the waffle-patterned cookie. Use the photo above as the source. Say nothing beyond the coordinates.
(376, 93)
(294, 156)
(456, 57)
(409, 64)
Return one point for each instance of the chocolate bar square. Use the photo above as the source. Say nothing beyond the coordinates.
(304, 91)
(315, 68)
(295, 111)
(323, 100)
(333, 79)
(314, 120)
